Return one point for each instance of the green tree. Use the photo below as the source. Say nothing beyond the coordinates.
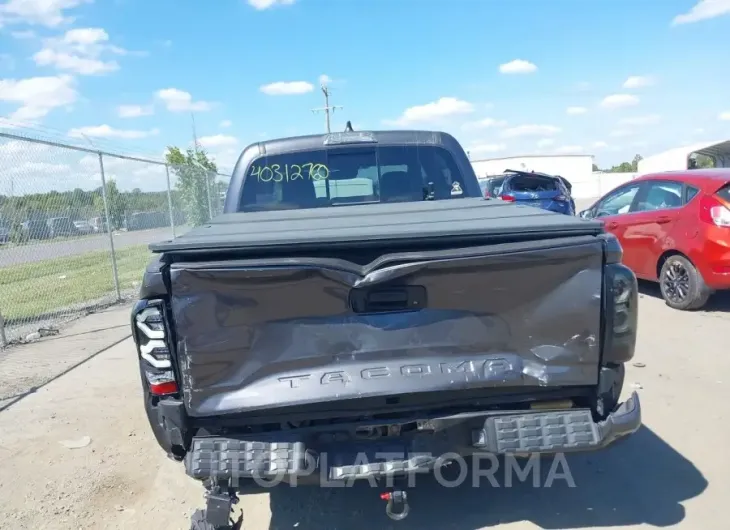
(704, 161)
(595, 167)
(195, 182)
(116, 201)
(635, 163)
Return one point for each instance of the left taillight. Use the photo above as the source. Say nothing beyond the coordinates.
(152, 336)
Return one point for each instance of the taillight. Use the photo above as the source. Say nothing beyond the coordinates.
(715, 212)
(151, 338)
(561, 198)
(507, 197)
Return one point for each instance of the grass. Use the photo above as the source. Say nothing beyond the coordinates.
(30, 290)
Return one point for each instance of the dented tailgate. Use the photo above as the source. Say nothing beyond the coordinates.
(282, 332)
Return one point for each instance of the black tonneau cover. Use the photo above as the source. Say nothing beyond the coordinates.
(427, 220)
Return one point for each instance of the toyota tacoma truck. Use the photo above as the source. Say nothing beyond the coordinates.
(360, 309)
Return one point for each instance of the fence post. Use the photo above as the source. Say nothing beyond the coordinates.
(206, 175)
(109, 226)
(169, 201)
(3, 337)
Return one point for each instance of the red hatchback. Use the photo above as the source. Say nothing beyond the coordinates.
(675, 229)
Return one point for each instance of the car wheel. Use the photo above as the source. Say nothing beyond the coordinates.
(682, 285)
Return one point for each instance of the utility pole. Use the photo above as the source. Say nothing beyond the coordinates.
(327, 108)
(195, 135)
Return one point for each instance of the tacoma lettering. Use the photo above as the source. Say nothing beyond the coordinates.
(487, 369)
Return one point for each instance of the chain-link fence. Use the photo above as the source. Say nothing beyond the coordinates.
(75, 225)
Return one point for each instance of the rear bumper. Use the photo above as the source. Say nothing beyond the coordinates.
(321, 459)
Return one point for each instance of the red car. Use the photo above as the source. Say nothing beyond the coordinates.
(675, 229)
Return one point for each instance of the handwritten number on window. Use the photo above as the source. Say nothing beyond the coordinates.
(290, 172)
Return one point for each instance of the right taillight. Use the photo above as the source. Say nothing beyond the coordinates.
(507, 197)
(714, 211)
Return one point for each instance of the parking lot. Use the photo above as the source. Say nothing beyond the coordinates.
(77, 452)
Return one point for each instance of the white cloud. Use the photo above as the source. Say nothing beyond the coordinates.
(638, 81)
(73, 63)
(569, 149)
(621, 133)
(486, 148)
(225, 159)
(703, 10)
(48, 13)
(518, 66)
(485, 123)
(530, 130)
(105, 131)
(641, 120)
(436, 110)
(324, 79)
(37, 96)
(226, 123)
(599, 145)
(266, 4)
(219, 140)
(80, 50)
(135, 111)
(615, 101)
(286, 88)
(545, 142)
(576, 110)
(180, 101)
(724, 116)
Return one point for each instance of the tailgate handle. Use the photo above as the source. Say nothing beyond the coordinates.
(381, 300)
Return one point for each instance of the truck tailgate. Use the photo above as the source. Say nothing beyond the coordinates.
(293, 331)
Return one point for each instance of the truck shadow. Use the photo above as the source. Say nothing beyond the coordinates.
(640, 480)
(719, 302)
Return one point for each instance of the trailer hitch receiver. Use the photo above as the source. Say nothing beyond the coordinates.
(397, 507)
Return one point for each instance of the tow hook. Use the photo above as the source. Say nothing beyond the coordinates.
(397, 507)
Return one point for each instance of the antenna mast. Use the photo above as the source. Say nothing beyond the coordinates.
(327, 108)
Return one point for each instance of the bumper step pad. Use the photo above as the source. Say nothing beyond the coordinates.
(539, 432)
(225, 458)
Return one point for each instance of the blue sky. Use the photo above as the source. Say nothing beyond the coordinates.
(637, 76)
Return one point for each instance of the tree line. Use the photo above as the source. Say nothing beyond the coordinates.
(195, 195)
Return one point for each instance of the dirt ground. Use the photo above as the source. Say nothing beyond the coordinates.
(673, 473)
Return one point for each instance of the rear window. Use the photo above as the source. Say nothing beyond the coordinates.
(342, 176)
(724, 192)
(533, 183)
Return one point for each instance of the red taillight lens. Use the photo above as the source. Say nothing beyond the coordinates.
(163, 388)
(508, 198)
(715, 212)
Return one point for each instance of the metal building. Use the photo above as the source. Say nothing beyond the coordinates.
(679, 157)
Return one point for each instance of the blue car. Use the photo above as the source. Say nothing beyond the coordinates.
(549, 192)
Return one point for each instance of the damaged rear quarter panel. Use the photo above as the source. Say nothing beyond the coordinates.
(262, 336)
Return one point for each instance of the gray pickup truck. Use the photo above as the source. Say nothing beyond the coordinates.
(359, 297)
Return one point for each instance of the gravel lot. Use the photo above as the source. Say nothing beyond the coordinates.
(660, 477)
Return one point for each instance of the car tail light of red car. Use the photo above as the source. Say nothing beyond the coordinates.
(715, 211)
